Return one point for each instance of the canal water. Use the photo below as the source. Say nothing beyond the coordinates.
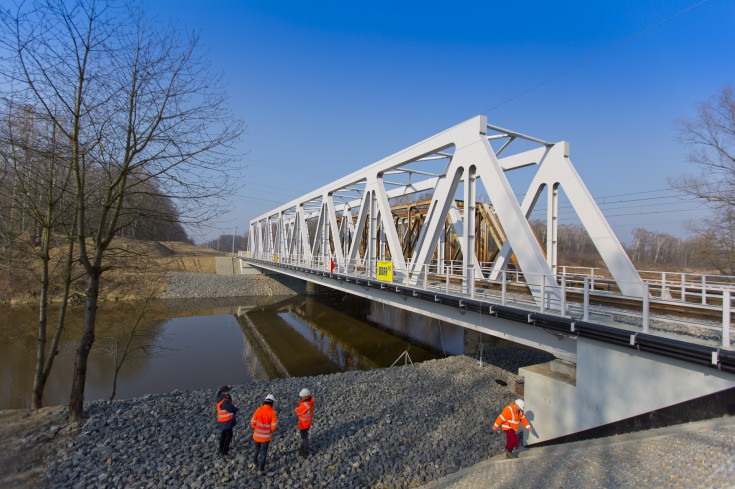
(190, 345)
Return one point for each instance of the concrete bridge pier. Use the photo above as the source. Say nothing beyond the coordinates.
(609, 383)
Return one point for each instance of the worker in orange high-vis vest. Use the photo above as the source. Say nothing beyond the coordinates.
(305, 413)
(226, 419)
(264, 423)
(510, 420)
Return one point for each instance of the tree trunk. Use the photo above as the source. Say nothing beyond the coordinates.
(62, 314)
(38, 381)
(76, 400)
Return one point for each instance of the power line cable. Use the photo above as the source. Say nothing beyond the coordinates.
(534, 87)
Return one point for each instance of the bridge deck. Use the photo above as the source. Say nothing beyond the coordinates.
(607, 315)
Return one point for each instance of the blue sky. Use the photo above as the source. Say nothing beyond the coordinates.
(327, 88)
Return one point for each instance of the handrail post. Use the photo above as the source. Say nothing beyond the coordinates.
(683, 288)
(704, 289)
(646, 308)
(543, 293)
(663, 285)
(726, 318)
(502, 294)
(448, 270)
(563, 300)
(472, 283)
(426, 276)
(586, 303)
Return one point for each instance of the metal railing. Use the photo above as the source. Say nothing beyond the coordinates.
(567, 294)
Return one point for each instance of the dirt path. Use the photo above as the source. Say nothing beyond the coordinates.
(27, 440)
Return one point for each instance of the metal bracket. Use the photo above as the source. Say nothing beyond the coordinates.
(716, 357)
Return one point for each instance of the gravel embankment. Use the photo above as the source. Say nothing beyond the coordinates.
(207, 285)
(386, 428)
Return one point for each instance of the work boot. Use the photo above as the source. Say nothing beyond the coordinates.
(509, 454)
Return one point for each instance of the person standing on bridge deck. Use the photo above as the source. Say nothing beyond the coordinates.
(305, 413)
(264, 423)
(226, 419)
(510, 420)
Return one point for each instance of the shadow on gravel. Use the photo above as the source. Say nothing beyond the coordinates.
(342, 432)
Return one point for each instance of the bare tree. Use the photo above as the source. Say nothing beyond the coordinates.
(36, 162)
(139, 104)
(711, 137)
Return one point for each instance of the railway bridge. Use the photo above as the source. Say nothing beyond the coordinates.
(437, 229)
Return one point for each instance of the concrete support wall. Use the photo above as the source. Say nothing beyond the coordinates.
(611, 383)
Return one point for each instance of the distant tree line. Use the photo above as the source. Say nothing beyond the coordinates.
(224, 242)
(34, 173)
(648, 250)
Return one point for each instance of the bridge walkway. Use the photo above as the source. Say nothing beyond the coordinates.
(692, 455)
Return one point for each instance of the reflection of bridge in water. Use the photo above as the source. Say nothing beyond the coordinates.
(301, 337)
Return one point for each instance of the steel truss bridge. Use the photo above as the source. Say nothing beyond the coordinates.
(404, 231)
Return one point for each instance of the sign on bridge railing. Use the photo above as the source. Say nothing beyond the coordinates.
(385, 271)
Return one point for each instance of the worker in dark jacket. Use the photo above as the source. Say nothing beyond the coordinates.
(226, 419)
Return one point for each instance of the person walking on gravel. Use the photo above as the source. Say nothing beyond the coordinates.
(305, 413)
(510, 420)
(226, 419)
(264, 423)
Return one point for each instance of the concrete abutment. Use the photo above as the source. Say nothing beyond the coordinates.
(608, 384)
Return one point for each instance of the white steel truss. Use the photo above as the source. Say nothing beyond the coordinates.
(330, 226)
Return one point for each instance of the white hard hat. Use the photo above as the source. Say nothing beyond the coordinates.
(521, 405)
(305, 392)
(270, 397)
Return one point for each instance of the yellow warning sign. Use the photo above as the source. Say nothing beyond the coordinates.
(385, 271)
(275, 258)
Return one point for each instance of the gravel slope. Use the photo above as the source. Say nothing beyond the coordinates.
(209, 285)
(386, 428)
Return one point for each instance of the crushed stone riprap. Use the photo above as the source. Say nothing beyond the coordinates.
(386, 428)
(210, 285)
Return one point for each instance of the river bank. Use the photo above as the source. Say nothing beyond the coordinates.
(182, 285)
(386, 428)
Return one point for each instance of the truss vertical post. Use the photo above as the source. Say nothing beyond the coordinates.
(468, 226)
(552, 218)
(372, 236)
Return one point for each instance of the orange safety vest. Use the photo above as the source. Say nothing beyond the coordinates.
(264, 423)
(305, 412)
(223, 415)
(510, 419)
